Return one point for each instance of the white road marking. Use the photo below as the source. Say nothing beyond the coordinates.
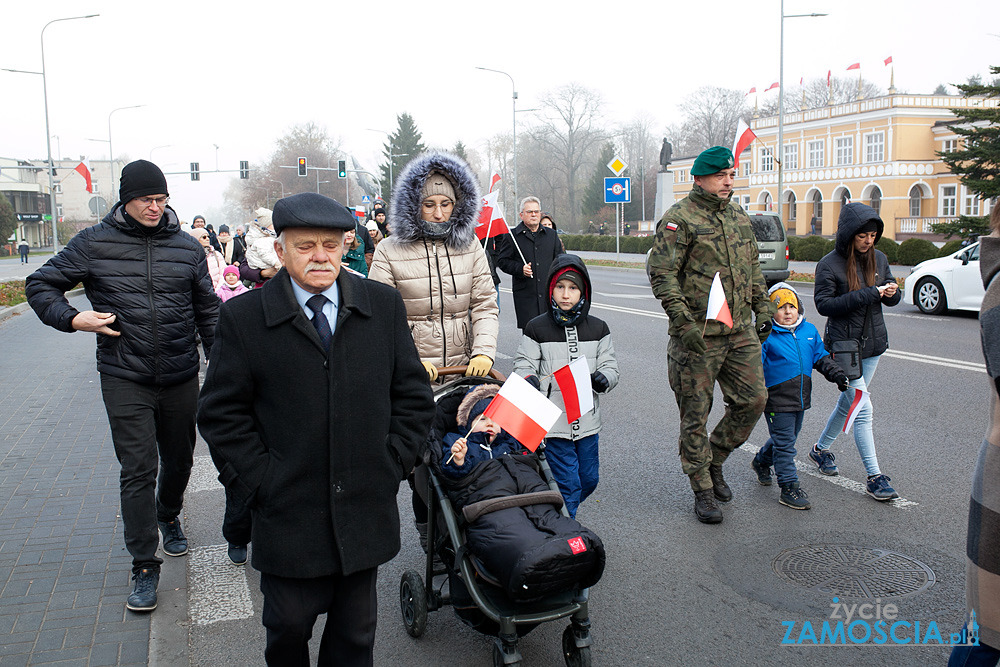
(645, 287)
(204, 476)
(627, 296)
(631, 311)
(217, 589)
(839, 480)
(940, 361)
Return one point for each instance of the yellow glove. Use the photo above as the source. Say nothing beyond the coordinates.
(432, 371)
(479, 366)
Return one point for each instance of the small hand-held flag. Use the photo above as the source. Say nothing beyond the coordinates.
(574, 383)
(744, 137)
(523, 411)
(861, 398)
(84, 171)
(491, 221)
(718, 307)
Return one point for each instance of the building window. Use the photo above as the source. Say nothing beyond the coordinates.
(58, 188)
(950, 146)
(845, 151)
(766, 161)
(59, 210)
(875, 147)
(915, 201)
(876, 200)
(746, 168)
(970, 204)
(791, 205)
(767, 202)
(791, 156)
(95, 188)
(818, 206)
(680, 175)
(948, 200)
(746, 202)
(845, 197)
(817, 155)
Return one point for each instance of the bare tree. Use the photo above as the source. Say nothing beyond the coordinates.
(710, 118)
(571, 134)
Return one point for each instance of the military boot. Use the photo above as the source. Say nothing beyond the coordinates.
(705, 508)
(719, 486)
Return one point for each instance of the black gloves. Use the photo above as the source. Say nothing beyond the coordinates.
(842, 382)
(763, 330)
(533, 381)
(599, 383)
(693, 340)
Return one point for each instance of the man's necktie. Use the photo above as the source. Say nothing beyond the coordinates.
(319, 320)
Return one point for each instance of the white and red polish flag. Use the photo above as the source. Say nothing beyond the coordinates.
(744, 137)
(888, 61)
(854, 66)
(574, 383)
(772, 86)
(861, 398)
(752, 91)
(491, 222)
(718, 307)
(84, 170)
(523, 411)
(828, 73)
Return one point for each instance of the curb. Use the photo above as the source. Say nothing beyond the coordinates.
(11, 311)
(168, 624)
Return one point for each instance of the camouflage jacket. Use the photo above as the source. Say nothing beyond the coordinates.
(698, 236)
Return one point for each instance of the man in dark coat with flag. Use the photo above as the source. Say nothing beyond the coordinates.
(528, 263)
(278, 413)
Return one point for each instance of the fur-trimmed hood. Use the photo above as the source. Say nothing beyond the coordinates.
(404, 211)
(479, 393)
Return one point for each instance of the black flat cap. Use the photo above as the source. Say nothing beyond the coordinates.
(312, 211)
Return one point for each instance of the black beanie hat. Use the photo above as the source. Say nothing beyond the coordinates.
(573, 276)
(223, 229)
(870, 226)
(141, 178)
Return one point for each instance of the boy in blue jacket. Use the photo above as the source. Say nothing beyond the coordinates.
(789, 354)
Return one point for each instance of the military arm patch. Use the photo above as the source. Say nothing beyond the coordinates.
(672, 226)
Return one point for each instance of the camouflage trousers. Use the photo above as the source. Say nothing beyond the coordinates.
(734, 362)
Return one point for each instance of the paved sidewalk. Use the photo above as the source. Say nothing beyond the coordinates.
(64, 570)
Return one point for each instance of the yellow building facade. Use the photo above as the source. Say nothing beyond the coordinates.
(880, 151)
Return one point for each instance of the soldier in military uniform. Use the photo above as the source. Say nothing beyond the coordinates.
(698, 236)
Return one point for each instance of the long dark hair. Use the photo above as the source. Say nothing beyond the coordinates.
(867, 267)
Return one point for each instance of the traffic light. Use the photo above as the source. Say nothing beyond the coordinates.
(195, 176)
(341, 168)
(302, 166)
(244, 169)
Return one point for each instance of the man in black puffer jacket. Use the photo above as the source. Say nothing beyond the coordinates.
(150, 289)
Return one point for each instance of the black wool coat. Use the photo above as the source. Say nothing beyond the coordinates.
(531, 295)
(279, 415)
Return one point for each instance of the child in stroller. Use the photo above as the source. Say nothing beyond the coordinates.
(512, 559)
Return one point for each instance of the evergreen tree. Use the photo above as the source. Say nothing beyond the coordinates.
(406, 143)
(977, 162)
(593, 198)
(8, 219)
(460, 151)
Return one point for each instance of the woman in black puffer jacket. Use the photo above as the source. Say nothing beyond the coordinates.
(852, 284)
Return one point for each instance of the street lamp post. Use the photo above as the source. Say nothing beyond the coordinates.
(514, 98)
(48, 136)
(156, 148)
(781, 111)
(282, 186)
(110, 146)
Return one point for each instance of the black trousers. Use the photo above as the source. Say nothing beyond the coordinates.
(237, 522)
(291, 607)
(153, 428)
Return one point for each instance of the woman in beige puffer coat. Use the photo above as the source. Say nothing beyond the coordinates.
(438, 265)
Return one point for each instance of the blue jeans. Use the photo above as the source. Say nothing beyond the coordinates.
(974, 656)
(575, 465)
(862, 426)
(779, 450)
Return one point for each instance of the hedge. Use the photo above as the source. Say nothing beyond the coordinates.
(592, 242)
(890, 248)
(950, 247)
(914, 251)
(808, 248)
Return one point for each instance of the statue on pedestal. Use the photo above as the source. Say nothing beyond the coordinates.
(666, 152)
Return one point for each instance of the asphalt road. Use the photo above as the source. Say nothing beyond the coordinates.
(679, 592)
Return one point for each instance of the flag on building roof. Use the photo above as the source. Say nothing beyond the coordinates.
(744, 137)
(84, 170)
(828, 73)
(523, 411)
(574, 383)
(752, 91)
(888, 61)
(718, 307)
(772, 86)
(854, 66)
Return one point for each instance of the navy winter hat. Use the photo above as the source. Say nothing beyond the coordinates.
(311, 210)
(141, 178)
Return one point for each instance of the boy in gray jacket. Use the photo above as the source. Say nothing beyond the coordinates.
(552, 340)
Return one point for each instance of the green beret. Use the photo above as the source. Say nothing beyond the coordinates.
(712, 160)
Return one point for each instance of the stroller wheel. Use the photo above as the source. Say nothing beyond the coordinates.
(499, 657)
(413, 603)
(576, 656)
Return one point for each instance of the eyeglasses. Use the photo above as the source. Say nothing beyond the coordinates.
(445, 206)
(149, 201)
(532, 212)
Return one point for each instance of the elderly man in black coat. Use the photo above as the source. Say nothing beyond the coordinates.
(278, 412)
(528, 263)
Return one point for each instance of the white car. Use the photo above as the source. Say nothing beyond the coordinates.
(947, 282)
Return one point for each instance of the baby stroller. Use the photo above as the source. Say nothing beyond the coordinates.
(478, 597)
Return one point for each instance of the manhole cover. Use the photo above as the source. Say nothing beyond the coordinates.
(852, 571)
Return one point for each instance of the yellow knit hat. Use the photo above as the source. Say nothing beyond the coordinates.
(781, 296)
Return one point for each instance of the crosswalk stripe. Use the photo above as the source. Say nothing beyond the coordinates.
(217, 589)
